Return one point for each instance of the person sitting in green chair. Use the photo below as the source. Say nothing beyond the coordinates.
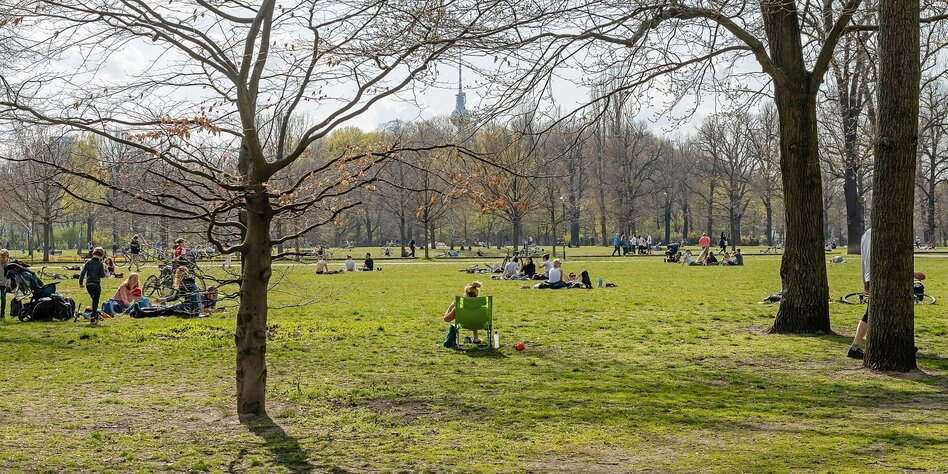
(471, 291)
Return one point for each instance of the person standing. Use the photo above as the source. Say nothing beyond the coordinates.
(616, 242)
(411, 247)
(229, 256)
(135, 253)
(723, 242)
(179, 247)
(92, 273)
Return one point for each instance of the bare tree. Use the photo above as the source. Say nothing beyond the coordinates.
(932, 152)
(206, 110)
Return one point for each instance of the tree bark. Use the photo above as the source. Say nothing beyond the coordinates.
(251, 334)
(47, 239)
(805, 304)
(668, 215)
(891, 308)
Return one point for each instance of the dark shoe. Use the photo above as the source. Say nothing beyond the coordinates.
(856, 353)
(467, 339)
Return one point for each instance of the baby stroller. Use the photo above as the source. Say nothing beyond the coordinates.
(672, 253)
(44, 303)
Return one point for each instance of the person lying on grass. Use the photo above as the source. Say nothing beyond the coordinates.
(471, 291)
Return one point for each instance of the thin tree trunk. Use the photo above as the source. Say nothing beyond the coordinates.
(47, 239)
(251, 334)
(401, 233)
(891, 309)
(710, 229)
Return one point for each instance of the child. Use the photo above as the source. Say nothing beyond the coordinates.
(471, 291)
(92, 273)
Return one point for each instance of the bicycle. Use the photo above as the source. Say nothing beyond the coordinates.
(163, 283)
(47, 275)
(861, 297)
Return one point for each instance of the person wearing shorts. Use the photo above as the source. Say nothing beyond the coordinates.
(862, 328)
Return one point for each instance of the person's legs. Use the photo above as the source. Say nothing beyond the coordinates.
(95, 291)
(862, 328)
(477, 340)
(3, 301)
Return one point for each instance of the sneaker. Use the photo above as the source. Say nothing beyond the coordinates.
(467, 339)
(856, 353)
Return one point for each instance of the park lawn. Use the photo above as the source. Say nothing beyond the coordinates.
(671, 371)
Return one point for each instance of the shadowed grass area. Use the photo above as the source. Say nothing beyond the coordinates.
(670, 371)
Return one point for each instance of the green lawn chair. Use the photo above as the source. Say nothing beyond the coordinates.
(474, 313)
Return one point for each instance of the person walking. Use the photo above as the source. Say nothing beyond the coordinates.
(92, 273)
(135, 253)
(862, 328)
(723, 242)
(616, 242)
(4, 259)
(411, 247)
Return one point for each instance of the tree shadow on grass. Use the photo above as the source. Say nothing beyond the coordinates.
(284, 449)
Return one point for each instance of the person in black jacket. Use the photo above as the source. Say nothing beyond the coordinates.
(92, 273)
(135, 253)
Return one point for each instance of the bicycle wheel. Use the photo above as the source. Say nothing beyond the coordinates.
(166, 288)
(855, 298)
(925, 299)
(151, 285)
(120, 260)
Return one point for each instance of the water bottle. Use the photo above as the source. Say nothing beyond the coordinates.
(496, 340)
(600, 282)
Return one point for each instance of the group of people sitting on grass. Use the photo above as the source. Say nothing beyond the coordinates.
(128, 298)
(707, 258)
(322, 268)
(552, 275)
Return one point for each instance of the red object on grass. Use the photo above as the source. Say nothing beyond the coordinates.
(520, 347)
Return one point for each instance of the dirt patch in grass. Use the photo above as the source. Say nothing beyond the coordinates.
(403, 409)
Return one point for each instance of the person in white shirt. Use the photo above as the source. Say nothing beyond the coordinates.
(554, 279)
(547, 265)
(350, 264)
(865, 247)
(511, 268)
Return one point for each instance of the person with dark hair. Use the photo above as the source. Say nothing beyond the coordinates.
(369, 264)
(616, 242)
(529, 269)
(723, 242)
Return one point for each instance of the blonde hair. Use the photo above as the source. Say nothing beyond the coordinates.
(557, 263)
(180, 274)
(130, 276)
(473, 289)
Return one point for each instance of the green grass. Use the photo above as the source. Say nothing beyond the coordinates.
(670, 371)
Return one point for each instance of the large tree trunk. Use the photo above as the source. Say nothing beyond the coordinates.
(251, 334)
(805, 304)
(574, 220)
(855, 214)
(517, 228)
(891, 309)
